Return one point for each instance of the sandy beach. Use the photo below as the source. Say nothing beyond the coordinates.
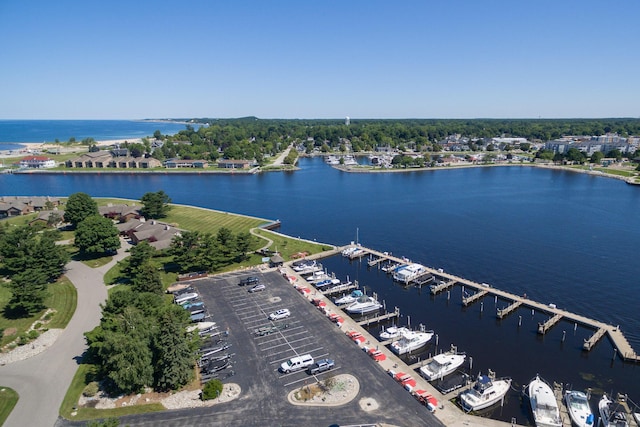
(39, 148)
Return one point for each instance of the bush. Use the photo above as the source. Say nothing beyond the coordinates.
(212, 389)
(91, 389)
(37, 325)
(33, 334)
(22, 339)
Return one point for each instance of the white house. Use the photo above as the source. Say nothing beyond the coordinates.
(37, 162)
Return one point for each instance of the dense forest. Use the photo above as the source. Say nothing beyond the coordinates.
(253, 138)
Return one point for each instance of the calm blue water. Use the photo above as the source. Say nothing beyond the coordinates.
(562, 238)
(15, 132)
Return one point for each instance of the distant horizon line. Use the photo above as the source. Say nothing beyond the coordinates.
(172, 119)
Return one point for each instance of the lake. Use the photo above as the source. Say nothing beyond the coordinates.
(560, 237)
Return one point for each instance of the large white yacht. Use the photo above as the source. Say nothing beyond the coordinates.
(408, 273)
(393, 332)
(410, 341)
(485, 392)
(364, 304)
(442, 364)
(349, 299)
(544, 406)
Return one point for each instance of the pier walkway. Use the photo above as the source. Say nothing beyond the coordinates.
(617, 338)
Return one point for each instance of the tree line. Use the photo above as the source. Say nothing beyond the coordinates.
(254, 139)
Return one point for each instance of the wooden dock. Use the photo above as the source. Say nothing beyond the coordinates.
(564, 413)
(472, 298)
(380, 318)
(423, 279)
(544, 327)
(623, 348)
(442, 286)
(588, 344)
(374, 262)
(503, 312)
(337, 289)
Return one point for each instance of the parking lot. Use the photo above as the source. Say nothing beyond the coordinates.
(258, 346)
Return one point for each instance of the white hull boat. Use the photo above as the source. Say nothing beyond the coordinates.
(362, 305)
(410, 341)
(610, 415)
(578, 407)
(349, 299)
(393, 332)
(485, 392)
(544, 406)
(442, 365)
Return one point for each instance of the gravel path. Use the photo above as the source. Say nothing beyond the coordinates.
(35, 347)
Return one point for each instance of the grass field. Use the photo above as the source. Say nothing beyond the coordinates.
(8, 399)
(62, 297)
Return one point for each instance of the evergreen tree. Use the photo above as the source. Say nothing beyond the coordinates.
(156, 205)
(78, 207)
(28, 292)
(173, 356)
(140, 254)
(147, 279)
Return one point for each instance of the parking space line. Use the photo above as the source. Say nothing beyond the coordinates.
(278, 339)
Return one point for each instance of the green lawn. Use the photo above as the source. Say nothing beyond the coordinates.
(62, 297)
(288, 246)
(8, 399)
(84, 375)
(210, 221)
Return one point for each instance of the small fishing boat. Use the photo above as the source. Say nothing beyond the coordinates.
(544, 406)
(579, 409)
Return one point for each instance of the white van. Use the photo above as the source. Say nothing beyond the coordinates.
(186, 297)
(296, 363)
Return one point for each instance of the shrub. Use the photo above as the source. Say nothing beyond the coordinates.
(33, 334)
(212, 389)
(22, 339)
(91, 389)
(37, 325)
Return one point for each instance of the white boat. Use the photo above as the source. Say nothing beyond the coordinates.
(544, 405)
(408, 273)
(351, 298)
(393, 332)
(348, 251)
(332, 160)
(610, 414)
(442, 364)
(578, 407)
(485, 392)
(410, 341)
(317, 276)
(302, 264)
(201, 326)
(364, 304)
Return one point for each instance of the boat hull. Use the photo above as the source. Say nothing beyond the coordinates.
(544, 406)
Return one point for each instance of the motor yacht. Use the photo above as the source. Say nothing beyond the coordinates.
(544, 405)
(579, 409)
(486, 391)
(364, 304)
(441, 365)
(411, 341)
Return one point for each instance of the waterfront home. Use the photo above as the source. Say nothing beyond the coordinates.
(157, 234)
(37, 162)
(234, 164)
(186, 163)
(103, 159)
(120, 213)
(49, 218)
(15, 208)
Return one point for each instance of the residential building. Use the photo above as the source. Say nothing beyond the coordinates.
(37, 162)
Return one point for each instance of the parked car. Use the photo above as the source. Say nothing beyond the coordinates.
(296, 363)
(320, 366)
(251, 280)
(280, 314)
(258, 287)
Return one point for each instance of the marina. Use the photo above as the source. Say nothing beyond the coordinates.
(621, 344)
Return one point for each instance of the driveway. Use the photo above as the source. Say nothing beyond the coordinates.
(42, 381)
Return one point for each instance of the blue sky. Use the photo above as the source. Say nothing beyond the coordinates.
(79, 59)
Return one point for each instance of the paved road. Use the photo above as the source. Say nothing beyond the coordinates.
(43, 380)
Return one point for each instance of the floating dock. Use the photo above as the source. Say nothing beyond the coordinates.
(502, 312)
(380, 318)
(617, 338)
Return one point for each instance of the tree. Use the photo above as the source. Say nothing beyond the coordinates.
(79, 206)
(28, 292)
(173, 356)
(22, 249)
(597, 157)
(156, 205)
(157, 134)
(96, 235)
(212, 389)
(140, 254)
(147, 279)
